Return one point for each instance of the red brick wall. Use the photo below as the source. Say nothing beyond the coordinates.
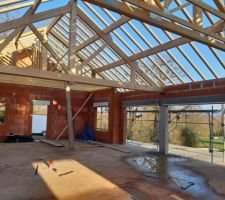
(201, 88)
(19, 109)
(115, 132)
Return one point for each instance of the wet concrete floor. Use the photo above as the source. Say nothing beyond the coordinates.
(168, 170)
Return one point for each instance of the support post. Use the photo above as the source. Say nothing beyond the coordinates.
(163, 129)
(44, 54)
(212, 137)
(71, 64)
(223, 129)
(69, 117)
(72, 38)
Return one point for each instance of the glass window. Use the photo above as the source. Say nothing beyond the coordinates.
(102, 121)
(2, 112)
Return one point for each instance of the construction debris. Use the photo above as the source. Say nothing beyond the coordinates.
(36, 171)
(66, 173)
(187, 186)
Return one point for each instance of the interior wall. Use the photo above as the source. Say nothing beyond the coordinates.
(19, 98)
(116, 131)
(18, 119)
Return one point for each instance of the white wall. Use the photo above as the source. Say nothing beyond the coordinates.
(39, 123)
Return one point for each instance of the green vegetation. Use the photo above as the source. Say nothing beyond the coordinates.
(2, 113)
(2, 117)
(190, 129)
(141, 126)
(189, 138)
(217, 143)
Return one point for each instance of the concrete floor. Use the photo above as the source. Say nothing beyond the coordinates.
(199, 162)
(97, 173)
(201, 154)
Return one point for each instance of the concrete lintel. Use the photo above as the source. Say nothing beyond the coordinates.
(206, 99)
(141, 102)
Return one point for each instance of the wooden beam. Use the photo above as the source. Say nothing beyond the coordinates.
(219, 5)
(208, 8)
(12, 70)
(197, 16)
(110, 66)
(66, 45)
(108, 40)
(167, 4)
(53, 23)
(217, 27)
(107, 30)
(30, 12)
(98, 51)
(19, 30)
(179, 7)
(69, 116)
(173, 18)
(72, 49)
(48, 47)
(18, 6)
(9, 38)
(10, 2)
(77, 113)
(143, 16)
(44, 54)
(72, 58)
(16, 23)
(133, 73)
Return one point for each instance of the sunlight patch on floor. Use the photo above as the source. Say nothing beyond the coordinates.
(69, 178)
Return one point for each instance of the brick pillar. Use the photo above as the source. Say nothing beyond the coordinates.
(116, 122)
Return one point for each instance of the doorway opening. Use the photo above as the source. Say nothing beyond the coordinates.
(40, 117)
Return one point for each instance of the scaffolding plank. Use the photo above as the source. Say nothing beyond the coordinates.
(52, 143)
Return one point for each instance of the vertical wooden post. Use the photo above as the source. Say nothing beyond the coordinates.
(71, 68)
(93, 74)
(14, 55)
(44, 54)
(72, 38)
(69, 117)
(197, 16)
(133, 73)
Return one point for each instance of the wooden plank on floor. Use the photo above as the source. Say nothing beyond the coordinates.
(52, 143)
(109, 146)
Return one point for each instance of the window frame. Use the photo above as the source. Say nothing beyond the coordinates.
(100, 129)
(5, 105)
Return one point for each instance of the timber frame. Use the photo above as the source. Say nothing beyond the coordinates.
(111, 42)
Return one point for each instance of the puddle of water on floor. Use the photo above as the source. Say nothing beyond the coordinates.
(166, 170)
